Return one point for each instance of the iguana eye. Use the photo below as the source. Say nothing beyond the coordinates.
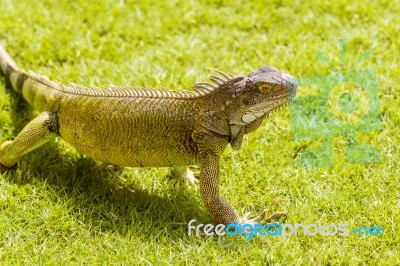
(265, 88)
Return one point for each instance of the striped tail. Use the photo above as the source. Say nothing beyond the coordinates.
(11, 71)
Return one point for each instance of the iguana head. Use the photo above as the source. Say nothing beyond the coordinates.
(263, 91)
(244, 99)
(236, 105)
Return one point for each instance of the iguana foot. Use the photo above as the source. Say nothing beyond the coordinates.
(273, 219)
(195, 171)
(185, 173)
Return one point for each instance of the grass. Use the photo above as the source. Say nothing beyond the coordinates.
(60, 207)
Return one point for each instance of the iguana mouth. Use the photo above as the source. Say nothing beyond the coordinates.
(269, 105)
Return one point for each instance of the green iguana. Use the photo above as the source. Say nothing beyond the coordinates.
(136, 127)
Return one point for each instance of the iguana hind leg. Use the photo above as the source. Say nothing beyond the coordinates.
(35, 134)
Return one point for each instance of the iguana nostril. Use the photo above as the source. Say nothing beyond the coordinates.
(291, 84)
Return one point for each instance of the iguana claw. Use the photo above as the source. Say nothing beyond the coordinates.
(276, 217)
(273, 219)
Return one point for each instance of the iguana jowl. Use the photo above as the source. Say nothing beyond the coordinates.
(137, 127)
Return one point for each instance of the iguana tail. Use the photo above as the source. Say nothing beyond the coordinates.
(33, 88)
(10, 70)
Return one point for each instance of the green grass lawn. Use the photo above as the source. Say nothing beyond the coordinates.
(60, 207)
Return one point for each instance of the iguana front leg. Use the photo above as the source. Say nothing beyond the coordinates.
(216, 204)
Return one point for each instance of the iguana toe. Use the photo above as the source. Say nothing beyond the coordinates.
(185, 173)
(273, 219)
(191, 177)
(276, 217)
(195, 171)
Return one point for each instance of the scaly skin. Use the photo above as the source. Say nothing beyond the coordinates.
(136, 127)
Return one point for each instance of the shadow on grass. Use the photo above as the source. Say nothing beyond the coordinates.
(95, 193)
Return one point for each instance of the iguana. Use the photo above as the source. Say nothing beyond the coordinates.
(137, 127)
